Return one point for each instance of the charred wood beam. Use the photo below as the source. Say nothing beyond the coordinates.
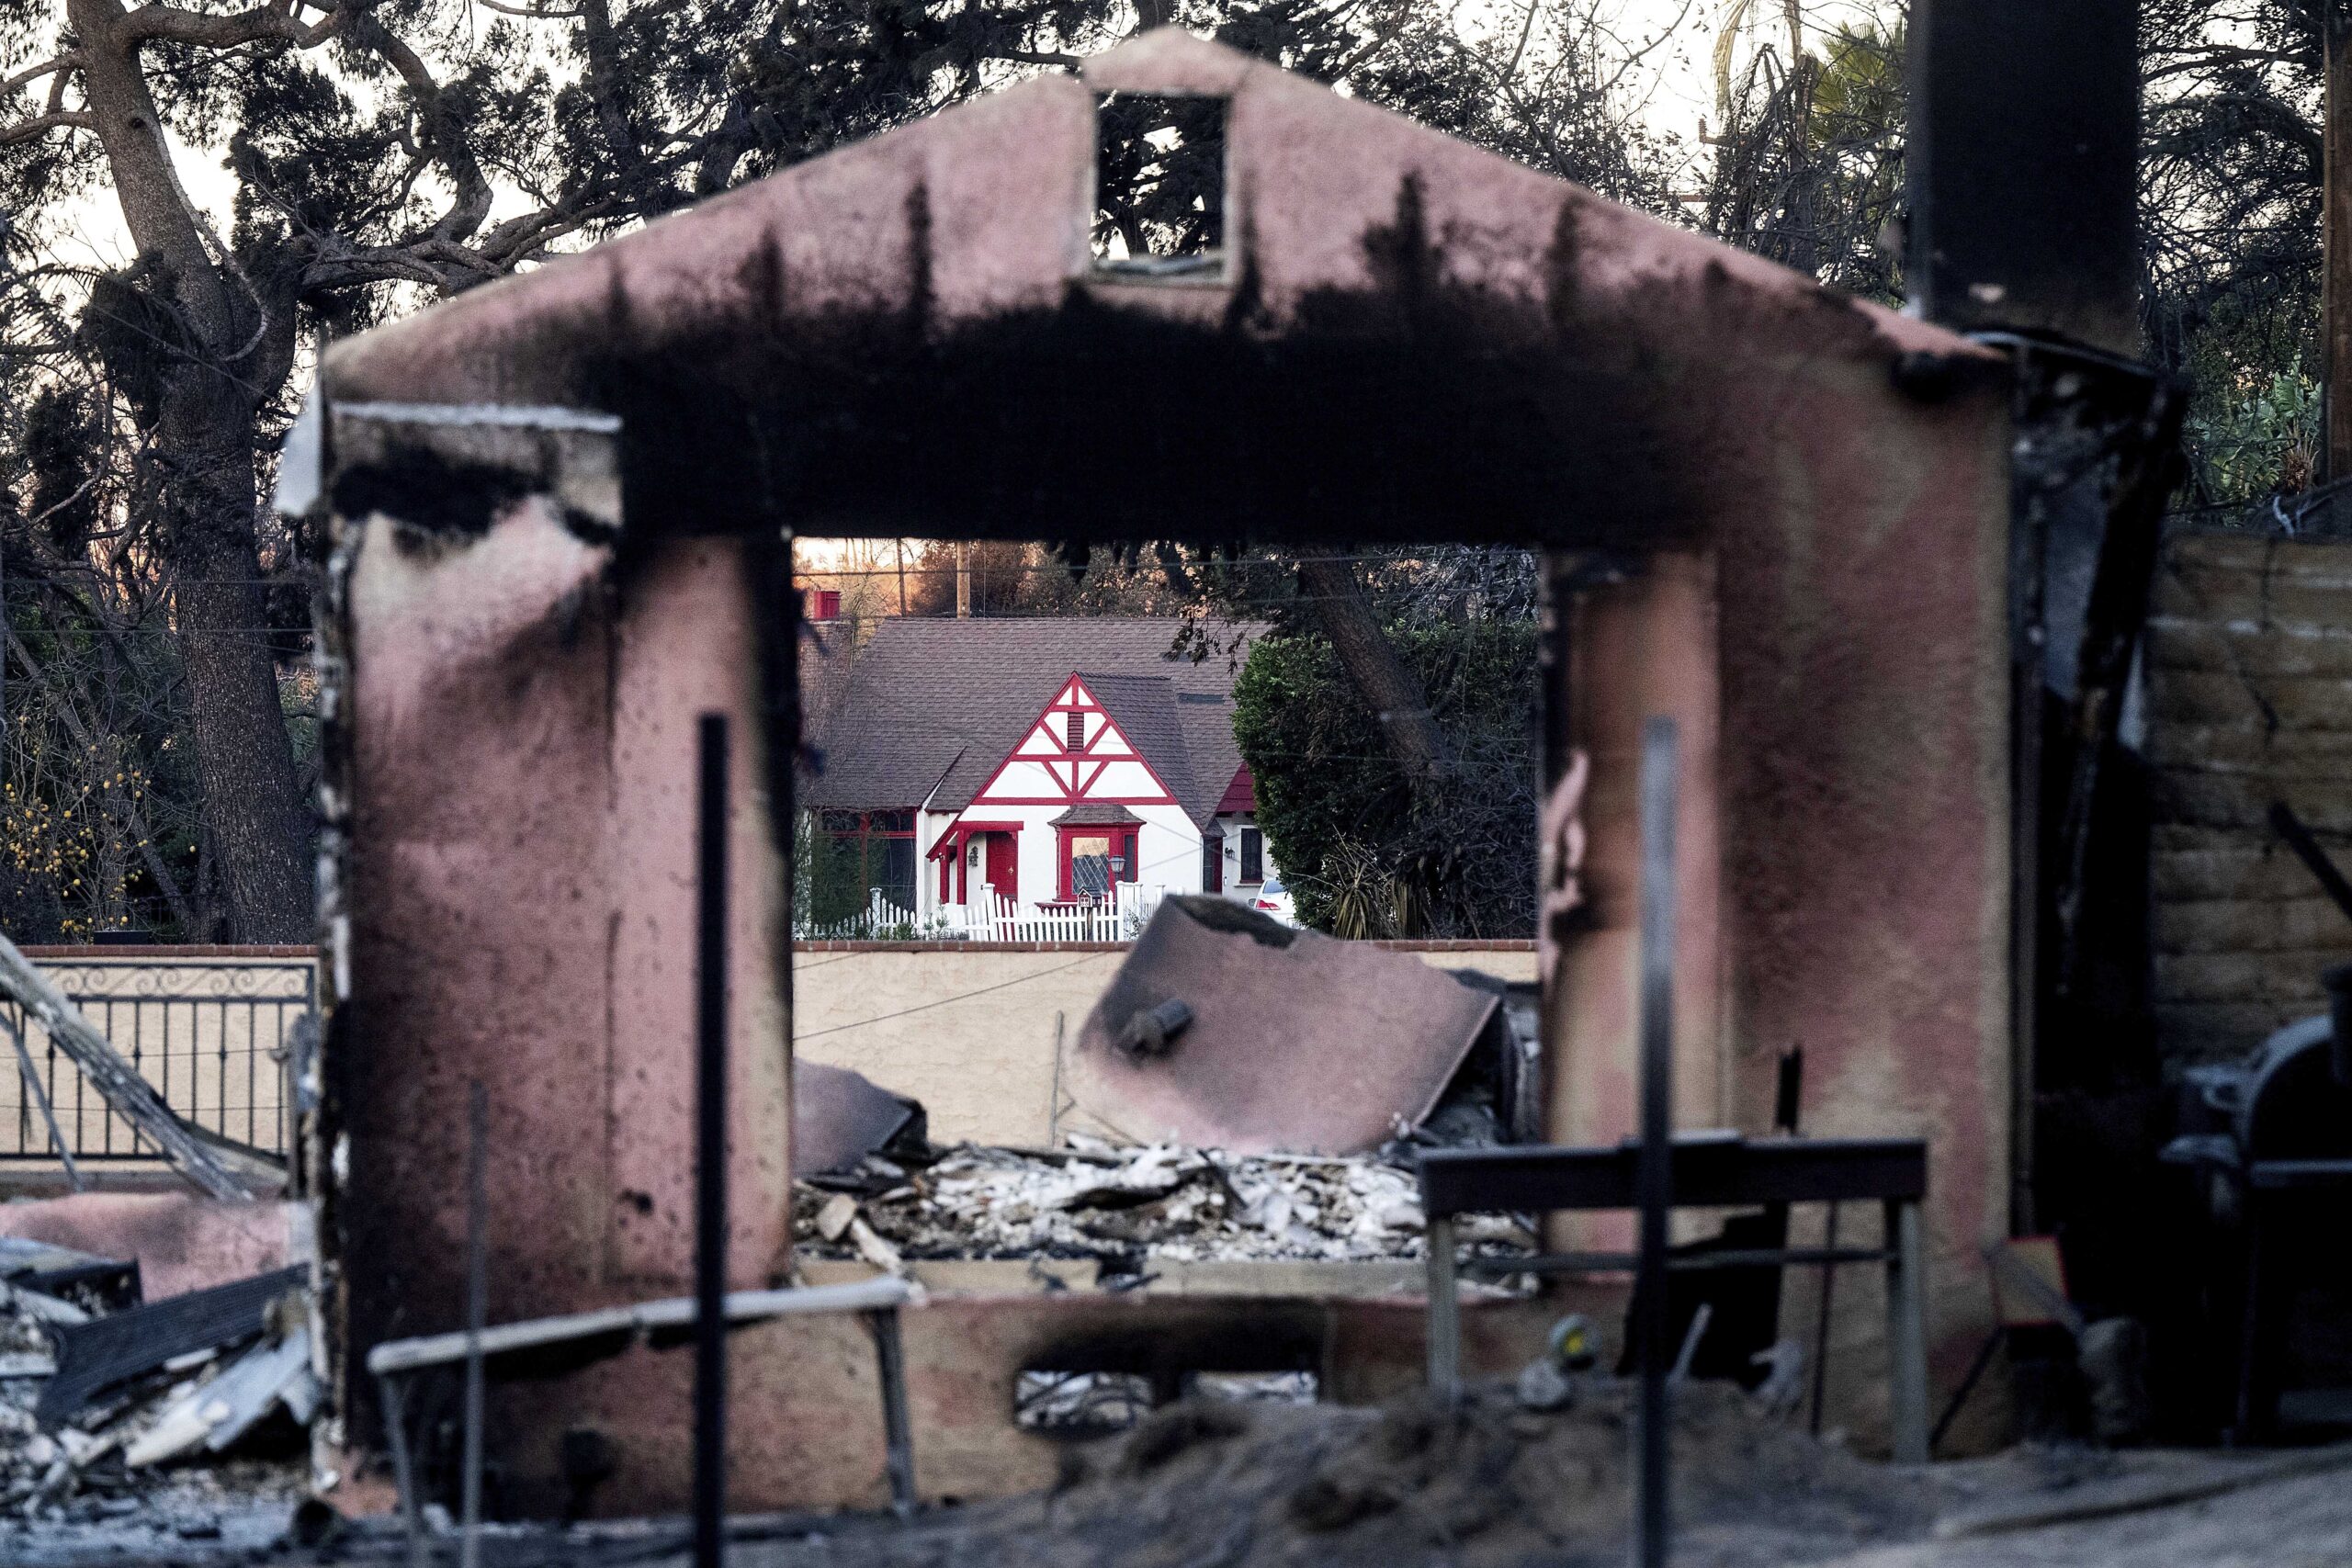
(2316, 860)
(2149, 465)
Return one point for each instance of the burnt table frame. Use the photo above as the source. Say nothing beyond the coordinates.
(1708, 1173)
(878, 1301)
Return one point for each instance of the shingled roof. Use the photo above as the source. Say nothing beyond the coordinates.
(930, 706)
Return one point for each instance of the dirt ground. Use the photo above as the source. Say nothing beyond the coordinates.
(1243, 1485)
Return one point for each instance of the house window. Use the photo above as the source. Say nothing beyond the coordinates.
(1253, 856)
(1093, 857)
(874, 852)
(1075, 728)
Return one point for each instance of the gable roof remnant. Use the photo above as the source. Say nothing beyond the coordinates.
(1299, 1043)
(930, 291)
(930, 706)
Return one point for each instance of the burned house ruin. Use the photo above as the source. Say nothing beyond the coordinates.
(1777, 515)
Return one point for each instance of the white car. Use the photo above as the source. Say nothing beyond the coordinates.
(1273, 898)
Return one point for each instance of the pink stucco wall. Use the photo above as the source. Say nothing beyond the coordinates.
(181, 1241)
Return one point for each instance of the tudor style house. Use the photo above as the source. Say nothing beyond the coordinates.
(1045, 761)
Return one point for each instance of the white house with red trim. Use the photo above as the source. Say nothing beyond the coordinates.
(1056, 763)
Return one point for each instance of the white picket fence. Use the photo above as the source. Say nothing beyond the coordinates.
(989, 917)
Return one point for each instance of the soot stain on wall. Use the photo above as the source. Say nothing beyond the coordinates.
(1415, 408)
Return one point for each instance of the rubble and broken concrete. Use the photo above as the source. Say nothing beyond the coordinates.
(92, 1399)
(1136, 1207)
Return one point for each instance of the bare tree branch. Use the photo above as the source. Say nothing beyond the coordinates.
(57, 119)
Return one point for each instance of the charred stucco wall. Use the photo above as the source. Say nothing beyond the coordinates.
(516, 724)
(2249, 700)
(1414, 340)
(1837, 659)
(806, 1424)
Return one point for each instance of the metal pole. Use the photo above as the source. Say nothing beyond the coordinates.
(1444, 1315)
(477, 1311)
(2335, 243)
(404, 1467)
(1654, 1181)
(898, 1433)
(710, 1150)
(1821, 1324)
(41, 1098)
(1906, 1335)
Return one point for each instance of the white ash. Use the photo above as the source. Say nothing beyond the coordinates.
(1155, 1202)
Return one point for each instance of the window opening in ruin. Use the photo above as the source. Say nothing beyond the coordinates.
(1159, 179)
(1228, 761)
(1080, 1404)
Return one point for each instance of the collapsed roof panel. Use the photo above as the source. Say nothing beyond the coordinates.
(839, 1117)
(1297, 1042)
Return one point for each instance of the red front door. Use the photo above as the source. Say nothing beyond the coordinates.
(1003, 862)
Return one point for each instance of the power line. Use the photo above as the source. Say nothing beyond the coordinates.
(947, 1001)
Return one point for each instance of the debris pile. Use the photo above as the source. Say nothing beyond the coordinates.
(96, 1392)
(1272, 1484)
(1157, 1202)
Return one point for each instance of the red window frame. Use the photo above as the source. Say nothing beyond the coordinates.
(1123, 843)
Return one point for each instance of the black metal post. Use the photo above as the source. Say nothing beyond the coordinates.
(710, 1150)
(1654, 1175)
(476, 1314)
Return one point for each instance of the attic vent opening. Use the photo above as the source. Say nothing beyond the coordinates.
(1159, 172)
(1075, 731)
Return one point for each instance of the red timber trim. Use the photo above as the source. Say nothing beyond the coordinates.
(1240, 795)
(1074, 794)
(951, 840)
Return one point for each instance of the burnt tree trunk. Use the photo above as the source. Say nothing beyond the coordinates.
(1391, 690)
(221, 350)
(244, 758)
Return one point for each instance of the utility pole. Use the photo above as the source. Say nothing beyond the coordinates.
(2335, 230)
(901, 545)
(963, 580)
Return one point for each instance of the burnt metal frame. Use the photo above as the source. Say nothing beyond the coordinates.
(878, 1301)
(2255, 1405)
(1709, 1172)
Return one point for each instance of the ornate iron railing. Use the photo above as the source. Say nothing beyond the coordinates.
(212, 1035)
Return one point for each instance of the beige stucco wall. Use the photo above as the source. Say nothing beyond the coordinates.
(971, 1034)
